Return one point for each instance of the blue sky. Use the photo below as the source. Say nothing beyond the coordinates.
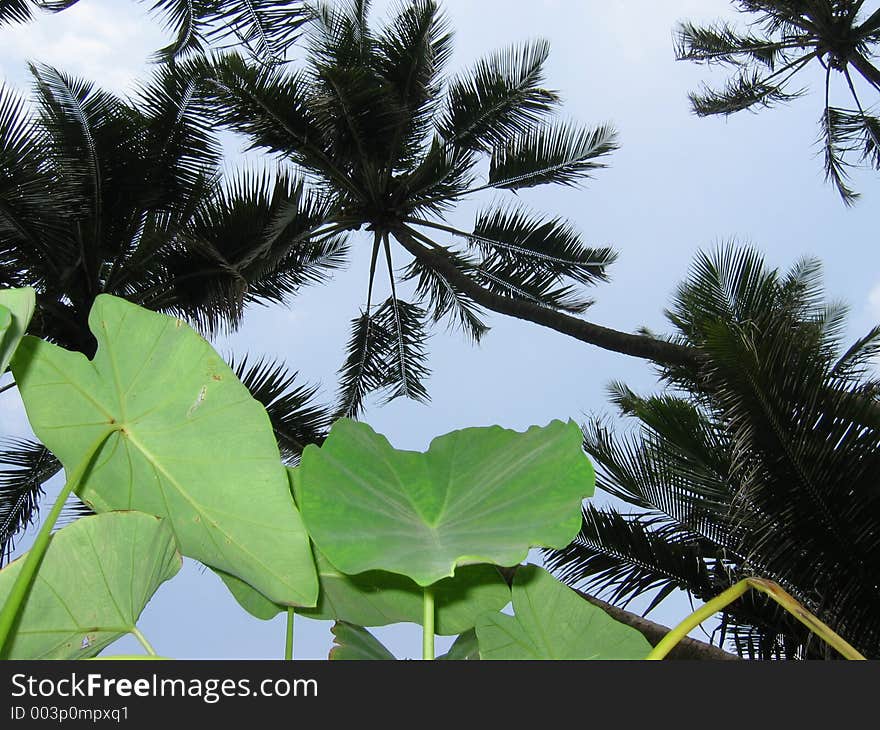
(678, 184)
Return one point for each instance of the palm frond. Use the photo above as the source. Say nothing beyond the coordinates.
(405, 361)
(411, 53)
(444, 299)
(21, 11)
(729, 284)
(15, 11)
(255, 239)
(436, 183)
(266, 28)
(744, 91)
(265, 103)
(836, 142)
(513, 280)
(513, 237)
(674, 468)
(364, 370)
(558, 154)
(720, 42)
(296, 419)
(31, 198)
(26, 466)
(499, 98)
(340, 34)
(180, 136)
(790, 37)
(623, 557)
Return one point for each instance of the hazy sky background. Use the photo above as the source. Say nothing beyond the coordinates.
(677, 185)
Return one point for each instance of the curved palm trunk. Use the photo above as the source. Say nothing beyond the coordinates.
(648, 348)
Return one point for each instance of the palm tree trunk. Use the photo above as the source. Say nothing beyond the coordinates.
(648, 348)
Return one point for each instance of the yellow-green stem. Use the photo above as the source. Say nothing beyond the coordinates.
(18, 594)
(288, 645)
(428, 623)
(143, 639)
(721, 601)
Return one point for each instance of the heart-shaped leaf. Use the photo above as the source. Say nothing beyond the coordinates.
(16, 310)
(551, 621)
(186, 441)
(95, 579)
(378, 598)
(351, 642)
(479, 495)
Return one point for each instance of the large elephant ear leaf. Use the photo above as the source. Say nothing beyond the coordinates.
(185, 440)
(16, 310)
(551, 621)
(96, 577)
(479, 495)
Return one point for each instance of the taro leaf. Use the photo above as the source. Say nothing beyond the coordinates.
(16, 310)
(95, 579)
(551, 621)
(252, 601)
(187, 442)
(479, 495)
(464, 647)
(355, 642)
(377, 598)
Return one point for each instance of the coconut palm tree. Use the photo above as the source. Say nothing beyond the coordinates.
(100, 194)
(390, 146)
(784, 38)
(763, 461)
(266, 28)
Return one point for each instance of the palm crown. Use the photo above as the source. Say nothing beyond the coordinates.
(389, 146)
(763, 461)
(104, 195)
(788, 36)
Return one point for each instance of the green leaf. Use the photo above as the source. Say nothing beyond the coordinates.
(186, 441)
(16, 310)
(551, 621)
(479, 495)
(379, 598)
(251, 600)
(97, 576)
(464, 647)
(355, 642)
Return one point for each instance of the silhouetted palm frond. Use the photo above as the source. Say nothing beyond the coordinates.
(296, 419)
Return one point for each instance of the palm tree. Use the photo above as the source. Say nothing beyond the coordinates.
(389, 146)
(266, 28)
(104, 195)
(763, 461)
(786, 37)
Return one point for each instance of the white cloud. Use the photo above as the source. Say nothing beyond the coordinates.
(95, 39)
